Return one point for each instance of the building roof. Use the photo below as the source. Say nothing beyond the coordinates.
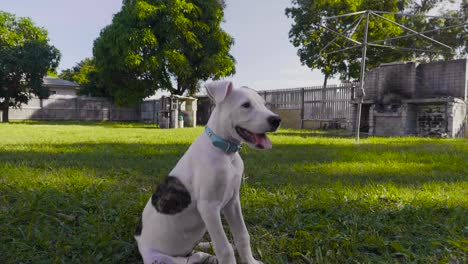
(54, 81)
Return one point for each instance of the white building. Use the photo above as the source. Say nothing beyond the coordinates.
(61, 88)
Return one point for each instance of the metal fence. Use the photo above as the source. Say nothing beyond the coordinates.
(316, 102)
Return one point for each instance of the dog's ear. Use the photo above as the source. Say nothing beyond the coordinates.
(219, 90)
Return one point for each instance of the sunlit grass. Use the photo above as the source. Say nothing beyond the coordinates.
(72, 193)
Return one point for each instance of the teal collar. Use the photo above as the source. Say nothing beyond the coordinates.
(225, 145)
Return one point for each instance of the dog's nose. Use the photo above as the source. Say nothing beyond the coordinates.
(274, 121)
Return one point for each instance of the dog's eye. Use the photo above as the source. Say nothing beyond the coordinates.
(246, 105)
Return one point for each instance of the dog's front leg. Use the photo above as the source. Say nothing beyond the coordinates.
(233, 213)
(210, 212)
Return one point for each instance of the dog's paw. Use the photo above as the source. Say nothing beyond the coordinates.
(202, 258)
(158, 262)
(210, 260)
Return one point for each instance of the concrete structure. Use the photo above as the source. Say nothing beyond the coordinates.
(173, 111)
(409, 99)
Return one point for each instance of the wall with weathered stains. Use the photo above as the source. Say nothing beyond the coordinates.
(408, 99)
(432, 120)
(442, 78)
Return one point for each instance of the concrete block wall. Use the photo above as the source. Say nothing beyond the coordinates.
(388, 124)
(456, 118)
(432, 120)
(400, 123)
(371, 84)
(466, 122)
(410, 119)
(398, 78)
(443, 78)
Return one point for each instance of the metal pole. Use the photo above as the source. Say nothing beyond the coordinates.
(414, 31)
(363, 70)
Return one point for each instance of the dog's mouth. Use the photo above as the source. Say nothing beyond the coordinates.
(260, 140)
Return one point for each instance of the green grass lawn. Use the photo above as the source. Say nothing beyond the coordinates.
(73, 193)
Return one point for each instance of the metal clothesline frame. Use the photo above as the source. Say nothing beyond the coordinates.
(364, 44)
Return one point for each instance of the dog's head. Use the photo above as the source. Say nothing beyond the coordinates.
(243, 111)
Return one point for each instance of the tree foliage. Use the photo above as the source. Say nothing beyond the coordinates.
(311, 39)
(85, 74)
(152, 44)
(25, 57)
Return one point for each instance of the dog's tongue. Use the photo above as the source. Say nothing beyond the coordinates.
(262, 141)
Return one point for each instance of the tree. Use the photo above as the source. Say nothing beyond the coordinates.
(25, 57)
(153, 43)
(311, 39)
(85, 74)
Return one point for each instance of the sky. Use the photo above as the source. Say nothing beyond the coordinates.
(265, 57)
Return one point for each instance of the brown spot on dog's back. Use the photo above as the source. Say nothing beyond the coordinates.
(171, 196)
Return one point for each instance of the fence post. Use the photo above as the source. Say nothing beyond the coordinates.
(302, 107)
(111, 109)
(154, 111)
(41, 105)
(77, 110)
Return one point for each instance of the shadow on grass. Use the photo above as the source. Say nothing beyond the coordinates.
(285, 164)
(330, 231)
(91, 222)
(95, 224)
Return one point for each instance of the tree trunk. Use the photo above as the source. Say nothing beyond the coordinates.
(180, 90)
(187, 85)
(5, 109)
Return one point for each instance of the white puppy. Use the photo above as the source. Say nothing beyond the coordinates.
(205, 183)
